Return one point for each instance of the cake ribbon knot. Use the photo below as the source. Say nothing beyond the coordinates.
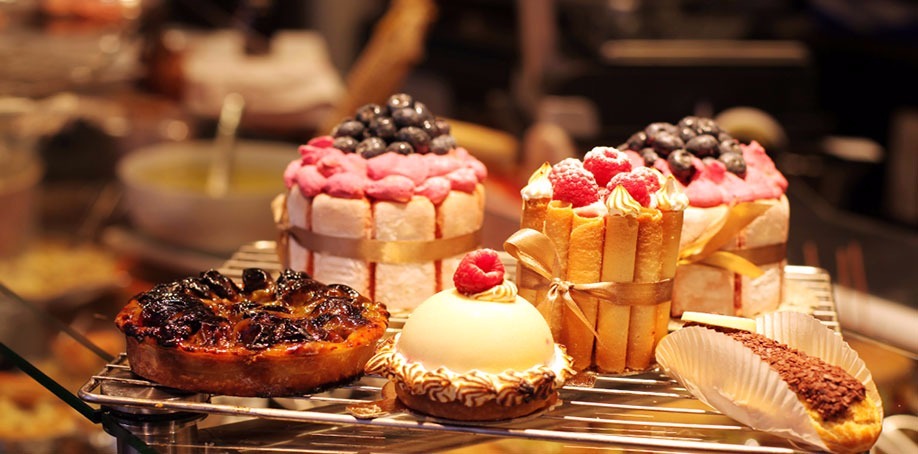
(706, 250)
(536, 252)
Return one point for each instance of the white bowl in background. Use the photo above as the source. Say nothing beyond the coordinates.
(166, 196)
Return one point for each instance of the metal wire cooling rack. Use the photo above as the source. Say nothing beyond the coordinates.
(648, 411)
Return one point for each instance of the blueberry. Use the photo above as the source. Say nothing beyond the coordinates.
(442, 144)
(664, 142)
(442, 125)
(688, 122)
(655, 128)
(400, 147)
(423, 111)
(680, 164)
(724, 136)
(351, 128)
(346, 144)
(367, 112)
(384, 128)
(730, 146)
(687, 134)
(707, 126)
(430, 127)
(650, 156)
(399, 100)
(416, 136)
(374, 146)
(406, 116)
(734, 163)
(637, 141)
(703, 146)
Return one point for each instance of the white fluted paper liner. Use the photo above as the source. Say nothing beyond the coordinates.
(731, 378)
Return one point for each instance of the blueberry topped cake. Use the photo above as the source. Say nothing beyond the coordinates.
(736, 226)
(387, 203)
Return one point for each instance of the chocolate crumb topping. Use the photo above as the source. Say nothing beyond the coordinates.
(825, 388)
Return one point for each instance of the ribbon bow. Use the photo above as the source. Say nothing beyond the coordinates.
(535, 252)
(707, 249)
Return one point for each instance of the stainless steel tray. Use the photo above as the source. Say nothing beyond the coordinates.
(648, 410)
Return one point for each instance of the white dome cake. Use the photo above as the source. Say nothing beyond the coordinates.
(491, 348)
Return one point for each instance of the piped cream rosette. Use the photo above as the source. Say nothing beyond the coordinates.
(488, 356)
(753, 393)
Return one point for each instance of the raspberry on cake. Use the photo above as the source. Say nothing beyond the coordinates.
(573, 184)
(478, 271)
(385, 184)
(482, 356)
(605, 162)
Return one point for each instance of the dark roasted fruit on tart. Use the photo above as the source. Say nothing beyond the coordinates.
(269, 337)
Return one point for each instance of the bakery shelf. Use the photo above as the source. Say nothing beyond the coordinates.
(647, 411)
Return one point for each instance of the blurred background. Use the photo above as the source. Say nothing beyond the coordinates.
(106, 106)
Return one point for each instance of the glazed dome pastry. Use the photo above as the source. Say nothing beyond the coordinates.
(477, 352)
(789, 375)
(268, 338)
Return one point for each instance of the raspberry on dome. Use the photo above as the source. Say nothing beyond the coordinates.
(478, 271)
(636, 184)
(606, 162)
(572, 183)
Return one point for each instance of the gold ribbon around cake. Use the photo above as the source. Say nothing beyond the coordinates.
(536, 252)
(706, 249)
(370, 250)
(382, 251)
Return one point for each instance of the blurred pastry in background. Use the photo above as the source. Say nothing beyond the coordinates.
(293, 85)
(92, 10)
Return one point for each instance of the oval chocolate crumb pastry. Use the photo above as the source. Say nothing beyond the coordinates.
(784, 373)
(269, 338)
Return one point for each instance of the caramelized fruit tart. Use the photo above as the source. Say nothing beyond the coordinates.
(269, 338)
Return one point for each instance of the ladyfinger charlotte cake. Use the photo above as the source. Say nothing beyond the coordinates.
(613, 231)
(476, 352)
(734, 236)
(386, 204)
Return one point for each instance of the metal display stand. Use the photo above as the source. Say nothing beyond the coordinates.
(648, 411)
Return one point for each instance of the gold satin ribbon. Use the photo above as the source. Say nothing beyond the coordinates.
(380, 251)
(536, 252)
(706, 250)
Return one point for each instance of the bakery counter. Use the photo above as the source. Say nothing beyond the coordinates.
(646, 412)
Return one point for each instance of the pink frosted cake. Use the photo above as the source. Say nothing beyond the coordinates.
(386, 204)
(732, 252)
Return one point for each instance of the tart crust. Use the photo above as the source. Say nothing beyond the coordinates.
(241, 372)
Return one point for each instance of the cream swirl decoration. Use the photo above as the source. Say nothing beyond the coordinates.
(474, 388)
(539, 186)
(505, 292)
(621, 203)
(670, 197)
